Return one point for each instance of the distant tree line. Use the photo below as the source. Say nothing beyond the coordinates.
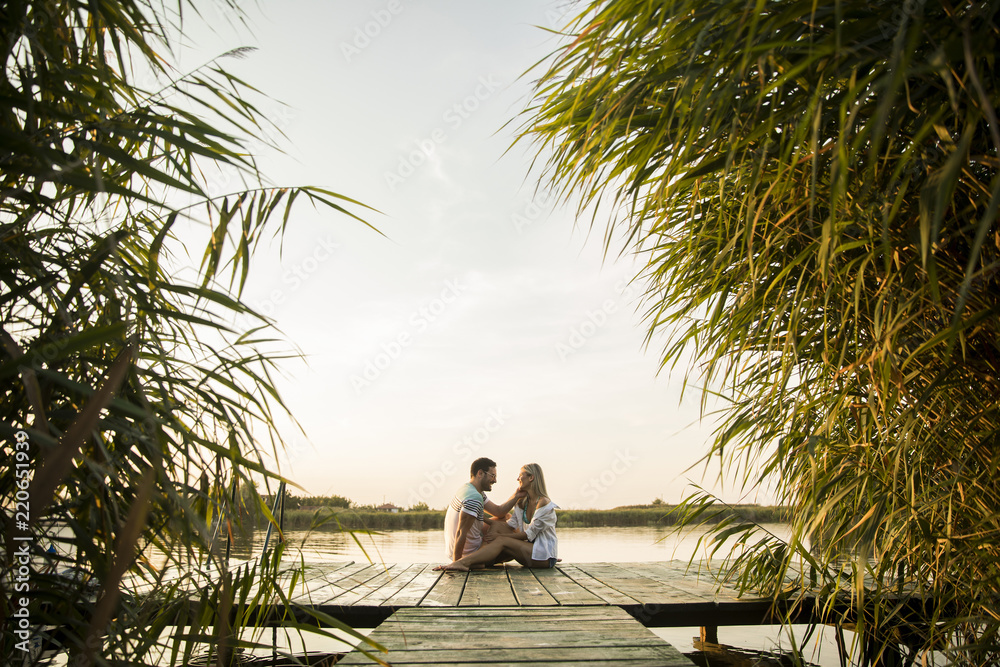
(328, 517)
(293, 502)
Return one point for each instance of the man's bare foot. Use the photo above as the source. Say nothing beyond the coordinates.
(453, 567)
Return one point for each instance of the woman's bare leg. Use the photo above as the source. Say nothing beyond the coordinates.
(488, 553)
(520, 551)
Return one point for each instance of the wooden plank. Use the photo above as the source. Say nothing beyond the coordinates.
(345, 581)
(416, 590)
(677, 588)
(462, 614)
(603, 591)
(348, 577)
(642, 589)
(324, 570)
(699, 574)
(726, 599)
(450, 625)
(657, 594)
(487, 588)
(522, 636)
(402, 575)
(599, 662)
(326, 587)
(408, 636)
(199, 575)
(447, 591)
(654, 656)
(699, 585)
(527, 589)
(309, 577)
(196, 580)
(341, 574)
(385, 574)
(566, 590)
(676, 598)
(698, 570)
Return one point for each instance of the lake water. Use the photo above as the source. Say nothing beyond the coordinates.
(580, 545)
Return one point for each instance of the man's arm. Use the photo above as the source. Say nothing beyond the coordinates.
(465, 523)
(500, 511)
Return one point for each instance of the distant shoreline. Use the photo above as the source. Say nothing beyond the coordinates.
(650, 515)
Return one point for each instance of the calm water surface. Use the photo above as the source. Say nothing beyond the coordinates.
(576, 545)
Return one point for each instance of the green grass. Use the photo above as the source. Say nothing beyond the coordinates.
(661, 516)
(640, 515)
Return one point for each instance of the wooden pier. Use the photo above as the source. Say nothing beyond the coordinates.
(575, 614)
(590, 613)
(659, 594)
(521, 636)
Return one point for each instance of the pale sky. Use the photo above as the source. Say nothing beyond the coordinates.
(485, 322)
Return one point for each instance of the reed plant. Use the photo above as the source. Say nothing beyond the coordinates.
(351, 519)
(144, 393)
(814, 190)
(668, 515)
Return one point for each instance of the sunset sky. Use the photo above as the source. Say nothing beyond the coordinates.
(487, 320)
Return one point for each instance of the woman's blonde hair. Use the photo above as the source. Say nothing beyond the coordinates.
(538, 479)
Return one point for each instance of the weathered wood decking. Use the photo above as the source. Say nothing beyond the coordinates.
(545, 605)
(575, 614)
(656, 594)
(521, 636)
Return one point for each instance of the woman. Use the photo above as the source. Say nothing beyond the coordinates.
(533, 519)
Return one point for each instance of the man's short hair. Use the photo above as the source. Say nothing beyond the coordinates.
(482, 463)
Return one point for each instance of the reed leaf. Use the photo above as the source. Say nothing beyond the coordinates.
(144, 396)
(813, 190)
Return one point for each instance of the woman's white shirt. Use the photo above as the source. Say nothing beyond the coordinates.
(541, 531)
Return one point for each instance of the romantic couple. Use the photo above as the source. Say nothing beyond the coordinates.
(528, 536)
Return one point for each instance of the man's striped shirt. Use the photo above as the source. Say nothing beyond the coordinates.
(469, 500)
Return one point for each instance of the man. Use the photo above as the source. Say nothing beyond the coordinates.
(465, 522)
